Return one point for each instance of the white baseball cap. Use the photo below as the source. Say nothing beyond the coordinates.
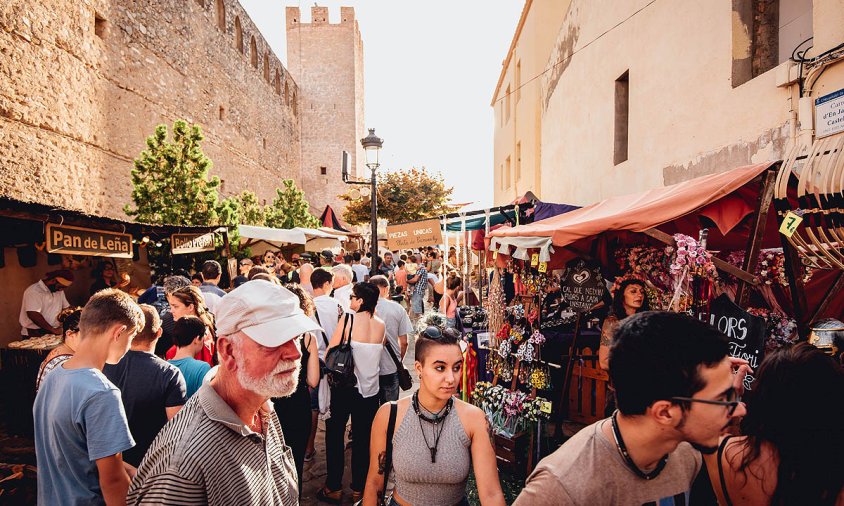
(269, 314)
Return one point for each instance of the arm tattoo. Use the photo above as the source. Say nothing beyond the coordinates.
(382, 462)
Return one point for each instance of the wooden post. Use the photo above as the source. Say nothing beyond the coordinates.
(564, 405)
(754, 240)
(794, 273)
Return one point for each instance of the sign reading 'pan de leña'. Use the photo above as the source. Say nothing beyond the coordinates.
(414, 235)
(67, 240)
(191, 243)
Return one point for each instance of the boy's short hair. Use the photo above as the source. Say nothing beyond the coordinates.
(320, 277)
(173, 283)
(657, 355)
(186, 329)
(110, 307)
(211, 269)
(400, 263)
(152, 324)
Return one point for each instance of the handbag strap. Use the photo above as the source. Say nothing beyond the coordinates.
(348, 316)
(321, 330)
(388, 457)
(393, 355)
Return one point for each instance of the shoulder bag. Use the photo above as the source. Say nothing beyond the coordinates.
(405, 381)
(339, 362)
(388, 456)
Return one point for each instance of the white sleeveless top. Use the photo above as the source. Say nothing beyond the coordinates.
(367, 366)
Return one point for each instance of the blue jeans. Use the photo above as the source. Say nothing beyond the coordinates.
(389, 384)
(417, 303)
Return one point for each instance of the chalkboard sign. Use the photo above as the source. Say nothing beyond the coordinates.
(582, 285)
(745, 331)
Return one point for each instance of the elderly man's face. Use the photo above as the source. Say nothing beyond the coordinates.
(269, 372)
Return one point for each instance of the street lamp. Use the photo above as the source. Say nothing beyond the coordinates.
(372, 147)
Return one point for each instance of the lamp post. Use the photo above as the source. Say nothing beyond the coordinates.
(372, 147)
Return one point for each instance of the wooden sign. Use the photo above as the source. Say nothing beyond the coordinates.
(745, 331)
(582, 285)
(414, 235)
(67, 240)
(191, 243)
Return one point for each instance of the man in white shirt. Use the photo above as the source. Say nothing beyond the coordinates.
(397, 325)
(342, 285)
(361, 271)
(42, 303)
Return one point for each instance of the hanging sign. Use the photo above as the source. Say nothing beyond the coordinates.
(745, 332)
(829, 114)
(790, 223)
(191, 243)
(582, 285)
(67, 240)
(414, 235)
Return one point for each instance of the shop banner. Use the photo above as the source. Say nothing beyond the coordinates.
(582, 285)
(414, 235)
(829, 114)
(67, 240)
(191, 243)
(745, 332)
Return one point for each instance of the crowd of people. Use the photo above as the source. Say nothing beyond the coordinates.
(192, 394)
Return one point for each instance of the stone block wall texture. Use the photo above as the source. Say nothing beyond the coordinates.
(85, 82)
(326, 60)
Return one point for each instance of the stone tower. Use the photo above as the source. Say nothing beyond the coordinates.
(326, 61)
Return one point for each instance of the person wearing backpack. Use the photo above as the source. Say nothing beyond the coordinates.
(354, 390)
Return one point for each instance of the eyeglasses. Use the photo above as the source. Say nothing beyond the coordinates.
(731, 405)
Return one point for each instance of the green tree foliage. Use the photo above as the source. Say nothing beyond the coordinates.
(289, 209)
(171, 184)
(250, 211)
(406, 195)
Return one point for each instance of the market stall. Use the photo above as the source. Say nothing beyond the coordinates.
(261, 239)
(710, 246)
(39, 239)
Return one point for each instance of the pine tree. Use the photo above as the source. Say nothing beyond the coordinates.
(171, 184)
(250, 211)
(290, 209)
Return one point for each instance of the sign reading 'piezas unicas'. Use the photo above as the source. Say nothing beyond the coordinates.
(67, 240)
(191, 243)
(414, 235)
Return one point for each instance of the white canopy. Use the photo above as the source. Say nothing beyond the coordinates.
(312, 239)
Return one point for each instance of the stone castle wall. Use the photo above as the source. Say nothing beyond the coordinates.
(326, 60)
(85, 82)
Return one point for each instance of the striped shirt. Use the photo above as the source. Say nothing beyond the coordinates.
(207, 455)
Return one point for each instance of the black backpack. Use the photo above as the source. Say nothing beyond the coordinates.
(339, 362)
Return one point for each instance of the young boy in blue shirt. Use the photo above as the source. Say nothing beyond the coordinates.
(188, 335)
(80, 425)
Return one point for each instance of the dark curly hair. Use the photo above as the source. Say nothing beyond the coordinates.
(618, 299)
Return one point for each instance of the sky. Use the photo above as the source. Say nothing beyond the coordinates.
(430, 69)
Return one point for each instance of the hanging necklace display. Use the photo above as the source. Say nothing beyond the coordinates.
(437, 419)
(622, 449)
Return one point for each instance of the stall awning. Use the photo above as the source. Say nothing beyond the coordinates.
(636, 213)
(272, 235)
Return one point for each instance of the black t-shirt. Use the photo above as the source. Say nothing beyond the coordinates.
(147, 385)
(165, 342)
(239, 280)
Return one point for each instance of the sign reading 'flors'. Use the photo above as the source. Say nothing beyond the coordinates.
(582, 285)
(67, 240)
(745, 332)
(191, 243)
(414, 235)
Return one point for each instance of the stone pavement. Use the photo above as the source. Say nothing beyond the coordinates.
(314, 473)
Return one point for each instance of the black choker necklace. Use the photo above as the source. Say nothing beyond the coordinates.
(436, 419)
(622, 449)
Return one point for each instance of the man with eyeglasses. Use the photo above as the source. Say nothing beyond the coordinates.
(677, 390)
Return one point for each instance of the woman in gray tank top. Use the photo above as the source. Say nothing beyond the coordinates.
(437, 437)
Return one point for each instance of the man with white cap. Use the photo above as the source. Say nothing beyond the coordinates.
(226, 446)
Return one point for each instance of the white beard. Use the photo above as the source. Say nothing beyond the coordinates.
(271, 385)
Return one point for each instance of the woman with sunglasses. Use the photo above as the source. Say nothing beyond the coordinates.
(792, 447)
(437, 438)
(69, 320)
(360, 402)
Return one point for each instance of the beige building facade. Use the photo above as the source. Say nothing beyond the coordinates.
(516, 101)
(641, 93)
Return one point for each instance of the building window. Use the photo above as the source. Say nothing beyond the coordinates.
(222, 113)
(507, 174)
(622, 117)
(507, 105)
(100, 25)
(238, 35)
(264, 142)
(277, 84)
(518, 174)
(266, 67)
(253, 52)
(286, 93)
(323, 171)
(221, 15)
(518, 81)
